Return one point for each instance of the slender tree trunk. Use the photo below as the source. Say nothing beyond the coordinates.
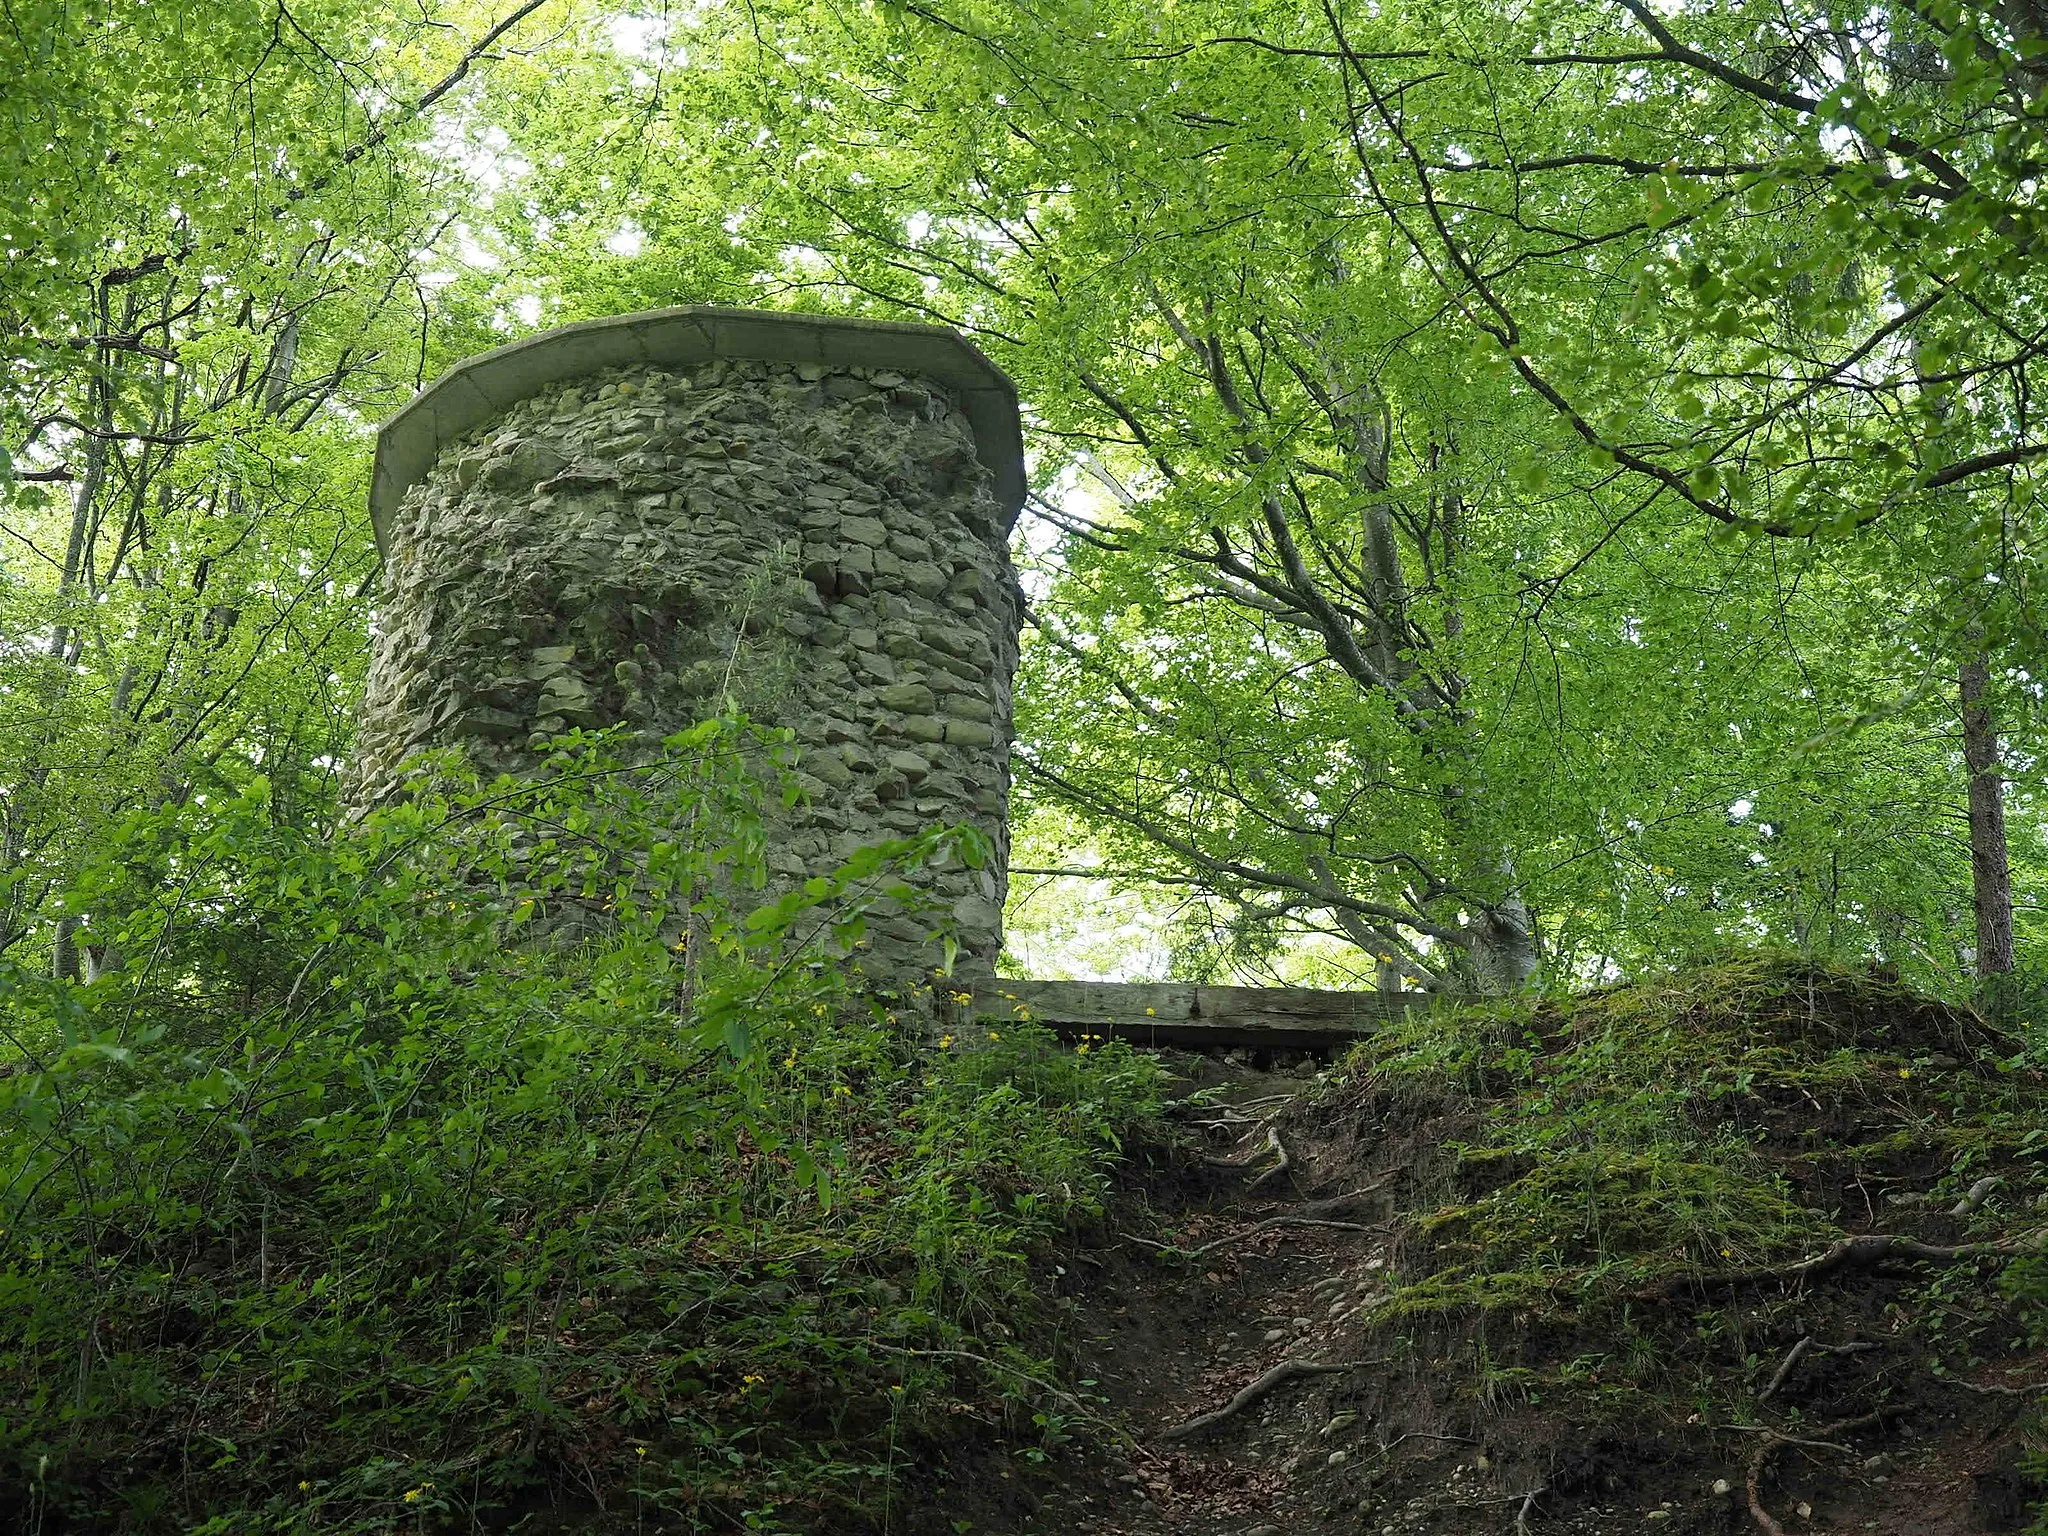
(1990, 873)
(64, 950)
(24, 798)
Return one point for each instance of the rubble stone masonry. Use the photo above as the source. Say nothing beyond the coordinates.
(629, 520)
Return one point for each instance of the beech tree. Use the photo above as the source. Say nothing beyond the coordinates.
(1346, 468)
(1816, 229)
(217, 224)
(1513, 491)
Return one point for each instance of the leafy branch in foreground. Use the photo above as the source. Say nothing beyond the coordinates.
(493, 1152)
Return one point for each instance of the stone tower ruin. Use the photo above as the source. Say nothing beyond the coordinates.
(627, 520)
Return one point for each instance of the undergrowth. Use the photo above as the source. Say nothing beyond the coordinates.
(486, 1167)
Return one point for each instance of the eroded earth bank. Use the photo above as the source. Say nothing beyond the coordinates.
(1749, 1250)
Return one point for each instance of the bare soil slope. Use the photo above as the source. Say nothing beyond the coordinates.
(1753, 1249)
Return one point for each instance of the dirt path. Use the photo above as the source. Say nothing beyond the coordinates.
(1252, 1322)
(1261, 1312)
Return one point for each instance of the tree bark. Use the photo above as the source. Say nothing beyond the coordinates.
(64, 950)
(1990, 873)
(1505, 958)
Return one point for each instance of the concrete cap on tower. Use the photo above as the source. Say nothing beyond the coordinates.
(475, 390)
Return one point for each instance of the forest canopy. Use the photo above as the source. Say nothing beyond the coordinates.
(1516, 492)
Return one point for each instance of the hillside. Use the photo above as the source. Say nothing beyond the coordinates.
(343, 1213)
(1753, 1247)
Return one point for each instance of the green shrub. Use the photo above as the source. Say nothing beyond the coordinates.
(485, 1155)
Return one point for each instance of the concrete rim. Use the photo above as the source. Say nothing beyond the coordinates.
(483, 386)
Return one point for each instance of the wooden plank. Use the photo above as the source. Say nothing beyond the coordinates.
(1174, 1013)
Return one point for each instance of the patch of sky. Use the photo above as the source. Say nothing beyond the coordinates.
(637, 37)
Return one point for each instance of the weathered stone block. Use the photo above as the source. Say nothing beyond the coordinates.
(907, 698)
(909, 764)
(829, 768)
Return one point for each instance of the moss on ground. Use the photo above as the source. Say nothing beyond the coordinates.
(1601, 1203)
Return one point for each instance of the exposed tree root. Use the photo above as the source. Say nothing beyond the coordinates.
(1424, 1434)
(1232, 1109)
(1270, 1224)
(1864, 1252)
(1785, 1368)
(1799, 1352)
(1978, 1193)
(1282, 1162)
(2024, 1389)
(1338, 1205)
(1245, 1160)
(1772, 1439)
(1754, 1476)
(1264, 1386)
(1274, 1222)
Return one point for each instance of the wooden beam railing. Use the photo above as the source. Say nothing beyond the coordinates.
(1174, 1013)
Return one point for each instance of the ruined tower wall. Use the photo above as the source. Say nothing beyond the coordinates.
(632, 533)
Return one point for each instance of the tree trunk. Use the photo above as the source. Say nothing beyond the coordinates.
(64, 950)
(1990, 874)
(1504, 954)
